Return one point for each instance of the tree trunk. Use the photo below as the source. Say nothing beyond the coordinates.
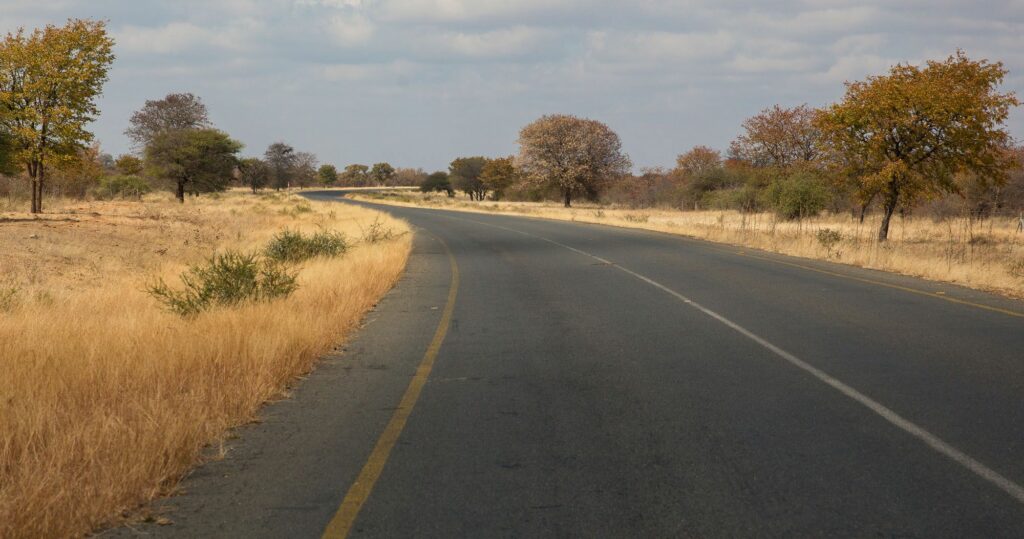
(41, 181)
(568, 198)
(180, 193)
(891, 200)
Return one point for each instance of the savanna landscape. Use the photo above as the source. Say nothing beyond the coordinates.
(484, 360)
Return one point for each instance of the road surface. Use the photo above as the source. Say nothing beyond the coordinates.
(583, 380)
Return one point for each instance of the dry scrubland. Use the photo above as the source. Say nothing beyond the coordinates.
(987, 255)
(106, 399)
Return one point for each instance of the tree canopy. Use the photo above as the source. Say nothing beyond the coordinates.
(907, 134)
(280, 160)
(778, 137)
(498, 175)
(196, 160)
(575, 155)
(49, 81)
(381, 173)
(173, 112)
(464, 174)
(254, 173)
(327, 174)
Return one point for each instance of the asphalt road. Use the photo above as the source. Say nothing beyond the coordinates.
(605, 382)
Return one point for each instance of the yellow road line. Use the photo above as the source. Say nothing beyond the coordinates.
(882, 283)
(341, 524)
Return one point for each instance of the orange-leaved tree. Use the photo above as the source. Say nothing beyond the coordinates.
(908, 134)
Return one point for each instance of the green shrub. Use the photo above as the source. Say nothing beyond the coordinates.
(226, 279)
(122, 186)
(799, 195)
(290, 246)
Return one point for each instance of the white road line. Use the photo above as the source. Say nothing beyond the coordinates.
(936, 443)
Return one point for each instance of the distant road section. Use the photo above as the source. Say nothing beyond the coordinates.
(602, 382)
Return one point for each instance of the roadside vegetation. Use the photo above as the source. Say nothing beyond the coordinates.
(911, 171)
(110, 392)
(152, 301)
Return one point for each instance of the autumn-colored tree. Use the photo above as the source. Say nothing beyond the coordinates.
(49, 82)
(381, 173)
(196, 160)
(254, 173)
(576, 155)
(778, 137)
(77, 174)
(175, 111)
(129, 165)
(464, 174)
(907, 134)
(498, 175)
(698, 161)
(327, 174)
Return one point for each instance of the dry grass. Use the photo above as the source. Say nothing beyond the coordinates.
(985, 255)
(106, 399)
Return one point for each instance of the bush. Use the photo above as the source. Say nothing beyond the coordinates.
(225, 280)
(289, 246)
(377, 232)
(122, 186)
(829, 238)
(437, 181)
(799, 195)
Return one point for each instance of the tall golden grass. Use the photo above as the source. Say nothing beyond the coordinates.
(106, 399)
(986, 255)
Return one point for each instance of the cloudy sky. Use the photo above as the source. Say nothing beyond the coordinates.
(418, 82)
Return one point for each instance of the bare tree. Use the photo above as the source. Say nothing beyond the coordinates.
(576, 155)
(174, 112)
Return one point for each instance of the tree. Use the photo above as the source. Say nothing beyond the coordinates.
(381, 173)
(575, 155)
(907, 134)
(464, 174)
(128, 165)
(699, 161)
(304, 173)
(408, 176)
(498, 175)
(76, 175)
(778, 137)
(327, 174)
(7, 151)
(797, 195)
(49, 82)
(254, 173)
(438, 181)
(355, 175)
(199, 160)
(280, 159)
(173, 112)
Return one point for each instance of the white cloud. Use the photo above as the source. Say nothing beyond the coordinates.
(496, 43)
(351, 28)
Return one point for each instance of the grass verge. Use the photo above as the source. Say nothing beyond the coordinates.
(985, 255)
(107, 398)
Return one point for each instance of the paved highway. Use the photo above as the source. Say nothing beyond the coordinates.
(533, 378)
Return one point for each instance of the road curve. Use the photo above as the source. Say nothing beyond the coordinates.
(597, 381)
